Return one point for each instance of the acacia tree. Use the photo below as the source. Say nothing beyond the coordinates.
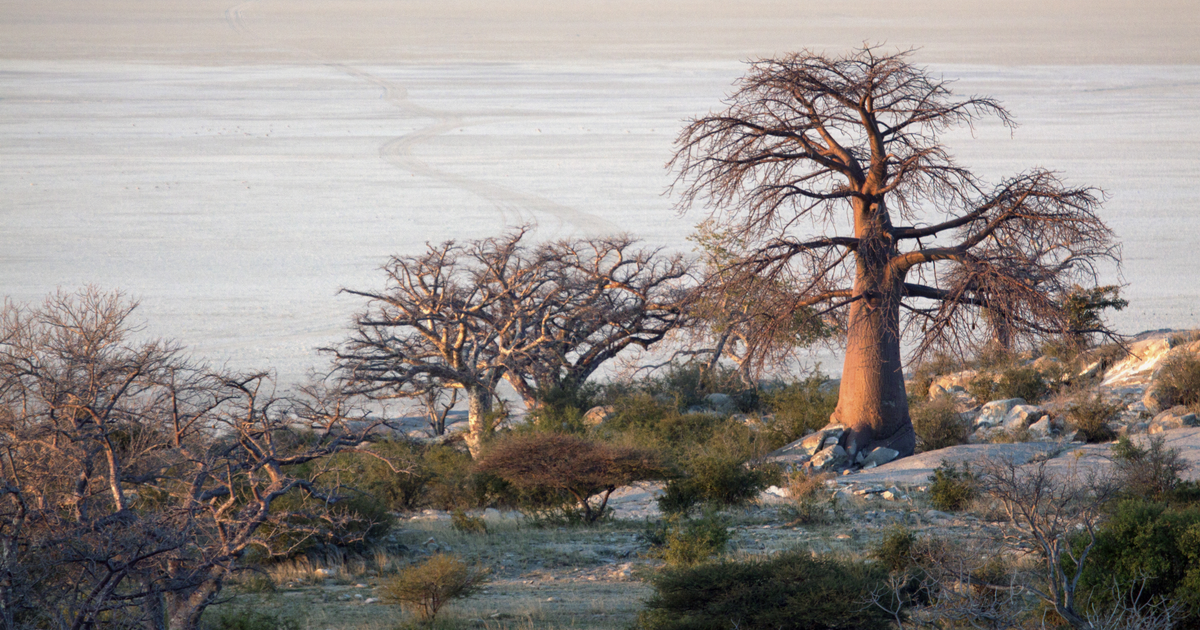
(913, 242)
(469, 316)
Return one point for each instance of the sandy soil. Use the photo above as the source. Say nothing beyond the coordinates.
(234, 164)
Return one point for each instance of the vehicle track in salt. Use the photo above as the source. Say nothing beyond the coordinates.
(515, 207)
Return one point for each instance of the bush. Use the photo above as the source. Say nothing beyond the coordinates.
(951, 489)
(467, 524)
(809, 508)
(425, 588)
(1179, 381)
(1151, 472)
(938, 424)
(791, 590)
(685, 541)
(799, 408)
(895, 551)
(566, 469)
(715, 479)
(1091, 416)
(1013, 382)
(248, 619)
(1151, 551)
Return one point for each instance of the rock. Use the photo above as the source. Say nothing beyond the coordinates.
(1153, 400)
(879, 456)
(996, 412)
(830, 386)
(1021, 416)
(324, 573)
(721, 403)
(1043, 429)
(1176, 417)
(597, 415)
(951, 383)
(801, 450)
(829, 459)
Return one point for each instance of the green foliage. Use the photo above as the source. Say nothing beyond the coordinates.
(1012, 382)
(561, 409)
(791, 590)
(685, 541)
(717, 477)
(799, 408)
(1178, 381)
(895, 550)
(1148, 472)
(1090, 416)
(951, 489)
(248, 619)
(1148, 545)
(426, 587)
(938, 424)
(1084, 307)
(467, 524)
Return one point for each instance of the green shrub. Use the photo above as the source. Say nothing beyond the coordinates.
(1090, 416)
(895, 550)
(799, 408)
(791, 590)
(247, 618)
(685, 541)
(1151, 552)
(938, 424)
(1179, 381)
(425, 588)
(715, 479)
(951, 489)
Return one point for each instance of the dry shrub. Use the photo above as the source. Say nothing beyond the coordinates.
(425, 588)
(1179, 381)
(938, 424)
(1090, 416)
(801, 485)
(570, 466)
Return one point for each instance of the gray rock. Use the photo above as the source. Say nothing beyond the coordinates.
(879, 456)
(1021, 416)
(721, 403)
(1176, 417)
(829, 459)
(597, 415)
(1043, 428)
(995, 412)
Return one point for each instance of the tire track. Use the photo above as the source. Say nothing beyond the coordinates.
(514, 206)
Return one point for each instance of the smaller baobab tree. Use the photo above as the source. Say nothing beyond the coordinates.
(468, 316)
(908, 241)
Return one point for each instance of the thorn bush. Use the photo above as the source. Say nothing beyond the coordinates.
(426, 587)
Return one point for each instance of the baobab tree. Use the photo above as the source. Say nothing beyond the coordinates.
(906, 240)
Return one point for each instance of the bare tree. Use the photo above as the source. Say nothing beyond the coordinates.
(133, 480)
(808, 141)
(468, 316)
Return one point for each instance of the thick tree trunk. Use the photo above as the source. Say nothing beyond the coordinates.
(872, 402)
(479, 411)
(185, 609)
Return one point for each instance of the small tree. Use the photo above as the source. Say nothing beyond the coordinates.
(908, 240)
(571, 465)
(469, 316)
(426, 587)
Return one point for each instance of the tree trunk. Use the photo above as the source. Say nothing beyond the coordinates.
(185, 609)
(479, 411)
(872, 402)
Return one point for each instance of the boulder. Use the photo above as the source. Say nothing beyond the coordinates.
(597, 415)
(721, 403)
(995, 412)
(1021, 416)
(803, 449)
(879, 456)
(1176, 417)
(1043, 429)
(830, 458)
